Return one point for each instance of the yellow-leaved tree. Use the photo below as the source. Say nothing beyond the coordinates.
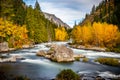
(15, 35)
(61, 34)
(76, 34)
(98, 34)
(105, 34)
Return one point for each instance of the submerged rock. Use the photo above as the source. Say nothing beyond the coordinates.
(11, 59)
(59, 53)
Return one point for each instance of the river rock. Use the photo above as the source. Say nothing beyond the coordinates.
(79, 56)
(41, 53)
(59, 53)
(28, 46)
(11, 59)
(4, 47)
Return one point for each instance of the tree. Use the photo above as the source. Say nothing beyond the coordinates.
(15, 35)
(99, 34)
(6, 9)
(61, 34)
(76, 34)
(19, 12)
(93, 9)
(37, 6)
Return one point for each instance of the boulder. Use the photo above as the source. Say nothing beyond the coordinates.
(79, 56)
(59, 53)
(41, 53)
(4, 47)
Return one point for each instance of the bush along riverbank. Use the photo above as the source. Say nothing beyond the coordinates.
(108, 61)
(68, 74)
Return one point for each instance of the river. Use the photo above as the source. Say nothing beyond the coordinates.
(40, 68)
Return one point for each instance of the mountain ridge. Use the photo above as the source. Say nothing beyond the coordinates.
(55, 20)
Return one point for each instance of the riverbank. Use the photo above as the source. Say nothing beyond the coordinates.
(7, 49)
(93, 48)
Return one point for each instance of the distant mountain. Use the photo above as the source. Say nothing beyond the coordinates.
(55, 20)
(107, 11)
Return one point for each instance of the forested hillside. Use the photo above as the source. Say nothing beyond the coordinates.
(101, 27)
(39, 29)
(107, 11)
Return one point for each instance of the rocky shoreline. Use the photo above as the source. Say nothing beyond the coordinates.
(59, 53)
(7, 49)
(93, 48)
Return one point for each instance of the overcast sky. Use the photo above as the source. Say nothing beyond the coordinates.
(68, 11)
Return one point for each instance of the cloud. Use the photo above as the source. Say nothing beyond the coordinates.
(67, 10)
(64, 13)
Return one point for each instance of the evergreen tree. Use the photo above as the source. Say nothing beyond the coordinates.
(19, 11)
(6, 9)
(37, 6)
(93, 9)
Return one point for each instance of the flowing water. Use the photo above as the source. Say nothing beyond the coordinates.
(40, 68)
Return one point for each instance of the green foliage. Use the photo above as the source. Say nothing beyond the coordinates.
(6, 9)
(107, 11)
(77, 58)
(85, 60)
(20, 78)
(19, 11)
(67, 74)
(39, 28)
(115, 49)
(37, 6)
(108, 61)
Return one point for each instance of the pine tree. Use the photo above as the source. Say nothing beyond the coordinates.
(19, 12)
(37, 6)
(6, 9)
(93, 9)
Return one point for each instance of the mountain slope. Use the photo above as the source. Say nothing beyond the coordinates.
(107, 11)
(55, 20)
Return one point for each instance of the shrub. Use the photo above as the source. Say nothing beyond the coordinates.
(20, 78)
(85, 59)
(77, 58)
(117, 50)
(108, 61)
(67, 74)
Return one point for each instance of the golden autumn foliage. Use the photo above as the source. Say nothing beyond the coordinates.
(61, 34)
(78, 37)
(15, 35)
(99, 34)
